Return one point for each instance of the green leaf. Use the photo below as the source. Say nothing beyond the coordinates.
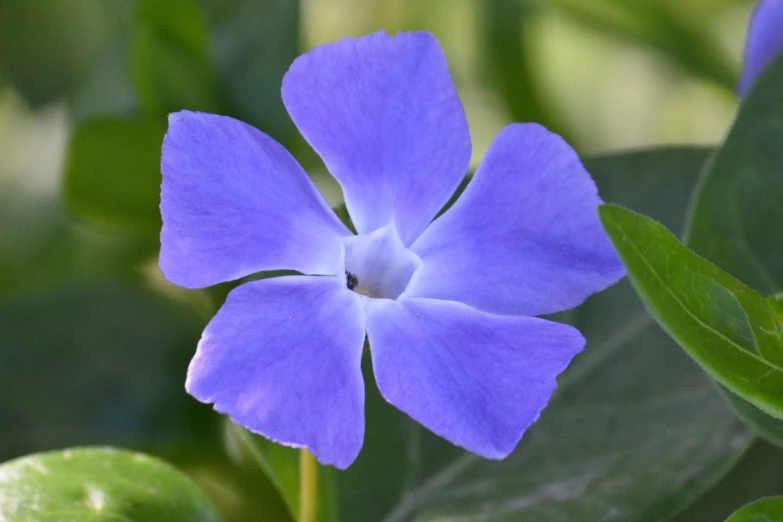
(764, 510)
(724, 325)
(635, 180)
(281, 465)
(112, 175)
(170, 65)
(776, 305)
(737, 216)
(636, 431)
(756, 476)
(99, 484)
(764, 425)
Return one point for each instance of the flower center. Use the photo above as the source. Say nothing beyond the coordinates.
(378, 264)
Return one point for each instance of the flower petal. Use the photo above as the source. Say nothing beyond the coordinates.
(524, 238)
(764, 42)
(384, 115)
(282, 357)
(476, 379)
(235, 202)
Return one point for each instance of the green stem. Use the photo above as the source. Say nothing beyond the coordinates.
(308, 487)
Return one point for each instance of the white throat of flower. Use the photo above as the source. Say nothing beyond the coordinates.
(378, 264)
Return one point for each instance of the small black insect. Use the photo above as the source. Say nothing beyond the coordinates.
(351, 280)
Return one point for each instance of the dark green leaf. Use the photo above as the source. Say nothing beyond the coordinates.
(170, 65)
(281, 465)
(96, 365)
(737, 216)
(765, 425)
(99, 484)
(764, 510)
(724, 325)
(757, 475)
(635, 432)
(112, 177)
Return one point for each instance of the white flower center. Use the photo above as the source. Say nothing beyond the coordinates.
(378, 264)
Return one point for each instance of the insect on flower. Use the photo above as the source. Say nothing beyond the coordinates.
(447, 305)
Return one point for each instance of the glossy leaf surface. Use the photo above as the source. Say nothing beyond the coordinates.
(737, 216)
(170, 63)
(764, 510)
(99, 484)
(725, 326)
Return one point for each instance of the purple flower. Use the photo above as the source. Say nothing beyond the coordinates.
(446, 305)
(765, 41)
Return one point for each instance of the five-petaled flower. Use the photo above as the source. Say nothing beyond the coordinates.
(447, 306)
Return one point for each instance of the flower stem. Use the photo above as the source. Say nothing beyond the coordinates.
(308, 487)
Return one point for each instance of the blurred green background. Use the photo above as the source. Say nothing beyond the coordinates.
(94, 342)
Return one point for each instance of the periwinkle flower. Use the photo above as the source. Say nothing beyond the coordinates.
(764, 41)
(447, 306)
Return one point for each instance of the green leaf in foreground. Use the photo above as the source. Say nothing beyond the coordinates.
(764, 510)
(776, 304)
(99, 484)
(112, 176)
(725, 326)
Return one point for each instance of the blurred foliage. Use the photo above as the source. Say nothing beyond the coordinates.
(170, 65)
(125, 197)
(95, 342)
(764, 510)
(47, 47)
(724, 325)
